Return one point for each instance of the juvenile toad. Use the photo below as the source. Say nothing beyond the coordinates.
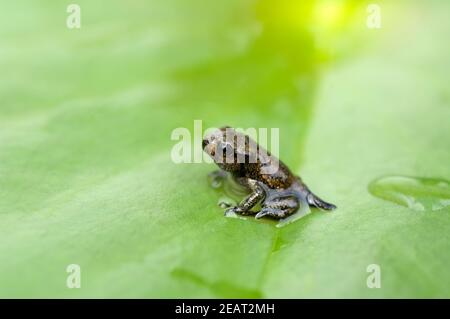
(268, 179)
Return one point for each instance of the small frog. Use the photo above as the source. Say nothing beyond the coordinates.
(269, 180)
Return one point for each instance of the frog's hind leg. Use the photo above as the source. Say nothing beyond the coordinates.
(279, 208)
(245, 206)
(315, 201)
(312, 199)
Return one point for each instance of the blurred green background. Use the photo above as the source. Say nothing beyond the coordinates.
(85, 171)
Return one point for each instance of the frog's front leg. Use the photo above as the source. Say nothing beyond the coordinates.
(245, 206)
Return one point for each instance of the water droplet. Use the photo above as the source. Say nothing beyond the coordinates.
(225, 202)
(215, 179)
(234, 215)
(416, 193)
(230, 191)
(223, 182)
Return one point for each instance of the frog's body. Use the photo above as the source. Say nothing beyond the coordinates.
(269, 180)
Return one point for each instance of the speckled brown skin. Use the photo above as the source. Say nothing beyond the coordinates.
(269, 180)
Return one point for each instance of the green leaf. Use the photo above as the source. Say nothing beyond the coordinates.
(86, 176)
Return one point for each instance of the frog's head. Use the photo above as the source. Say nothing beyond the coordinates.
(228, 148)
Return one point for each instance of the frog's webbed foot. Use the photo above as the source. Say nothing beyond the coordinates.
(314, 200)
(245, 206)
(279, 208)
